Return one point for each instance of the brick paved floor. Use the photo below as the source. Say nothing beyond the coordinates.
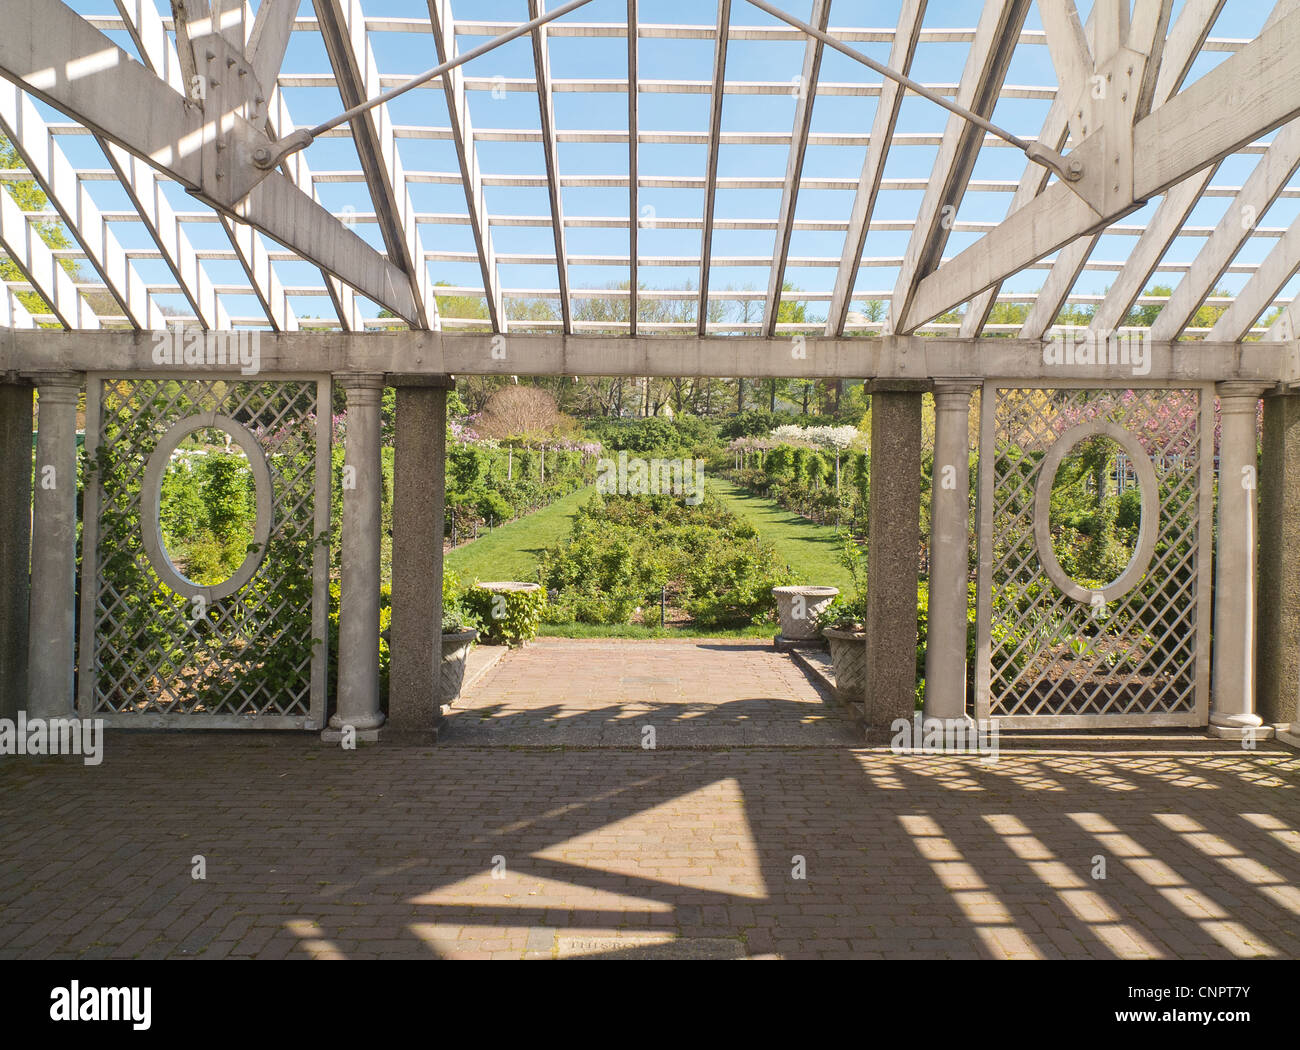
(312, 851)
(719, 692)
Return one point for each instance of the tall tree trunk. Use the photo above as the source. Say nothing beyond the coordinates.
(740, 395)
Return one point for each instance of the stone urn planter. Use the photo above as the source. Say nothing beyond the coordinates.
(451, 671)
(849, 661)
(798, 608)
(505, 616)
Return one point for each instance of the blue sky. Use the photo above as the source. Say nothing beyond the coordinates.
(596, 57)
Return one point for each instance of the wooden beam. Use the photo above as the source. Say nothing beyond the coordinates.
(419, 353)
(883, 126)
(1071, 55)
(981, 81)
(1245, 96)
(1258, 293)
(711, 163)
(633, 168)
(803, 109)
(23, 244)
(31, 137)
(269, 39)
(1259, 191)
(462, 133)
(550, 150)
(342, 28)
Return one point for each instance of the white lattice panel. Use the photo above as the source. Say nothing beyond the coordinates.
(156, 656)
(1066, 653)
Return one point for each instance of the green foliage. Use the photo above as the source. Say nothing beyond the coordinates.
(507, 617)
(623, 550)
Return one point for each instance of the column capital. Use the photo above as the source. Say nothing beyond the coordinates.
(361, 380)
(1239, 393)
(48, 383)
(953, 389)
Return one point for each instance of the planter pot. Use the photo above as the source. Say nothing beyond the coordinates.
(808, 600)
(507, 587)
(451, 671)
(849, 660)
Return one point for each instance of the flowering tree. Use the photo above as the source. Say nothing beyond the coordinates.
(834, 439)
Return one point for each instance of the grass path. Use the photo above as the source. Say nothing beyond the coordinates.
(811, 550)
(511, 551)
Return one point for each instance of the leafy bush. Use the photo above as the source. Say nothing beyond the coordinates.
(623, 550)
(507, 617)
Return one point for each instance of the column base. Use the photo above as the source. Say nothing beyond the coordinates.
(400, 736)
(367, 731)
(1237, 727)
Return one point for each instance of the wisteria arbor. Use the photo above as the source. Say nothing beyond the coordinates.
(117, 110)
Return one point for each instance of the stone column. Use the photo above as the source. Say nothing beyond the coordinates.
(15, 542)
(894, 537)
(1277, 644)
(945, 653)
(1232, 693)
(51, 647)
(358, 700)
(419, 493)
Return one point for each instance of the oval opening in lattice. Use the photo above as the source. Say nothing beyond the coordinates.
(1096, 442)
(235, 449)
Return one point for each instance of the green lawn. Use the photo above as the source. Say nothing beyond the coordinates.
(511, 552)
(811, 550)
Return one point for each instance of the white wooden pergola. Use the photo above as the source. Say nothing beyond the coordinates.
(1153, 107)
(1164, 138)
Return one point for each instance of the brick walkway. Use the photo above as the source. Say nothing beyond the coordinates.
(316, 852)
(714, 693)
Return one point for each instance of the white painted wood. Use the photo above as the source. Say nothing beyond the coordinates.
(23, 244)
(1147, 36)
(1246, 95)
(269, 39)
(463, 136)
(633, 169)
(30, 135)
(711, 163)
(883, 130)
(420, 353)
(1258, 192)
(981, 81)
(803, 109)
(1257, 295)
(1057, 286)
(1071, 55)
(546, 107)
(353, 62)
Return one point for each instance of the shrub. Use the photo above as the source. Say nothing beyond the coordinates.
(507, 617)
(623, 550)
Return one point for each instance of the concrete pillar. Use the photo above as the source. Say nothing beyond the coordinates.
(894, 536)
(419, 493)
(51, 647)
(945, 654)
(358, 700)
(1232, 693)
(15, 542)
(1277, 643)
